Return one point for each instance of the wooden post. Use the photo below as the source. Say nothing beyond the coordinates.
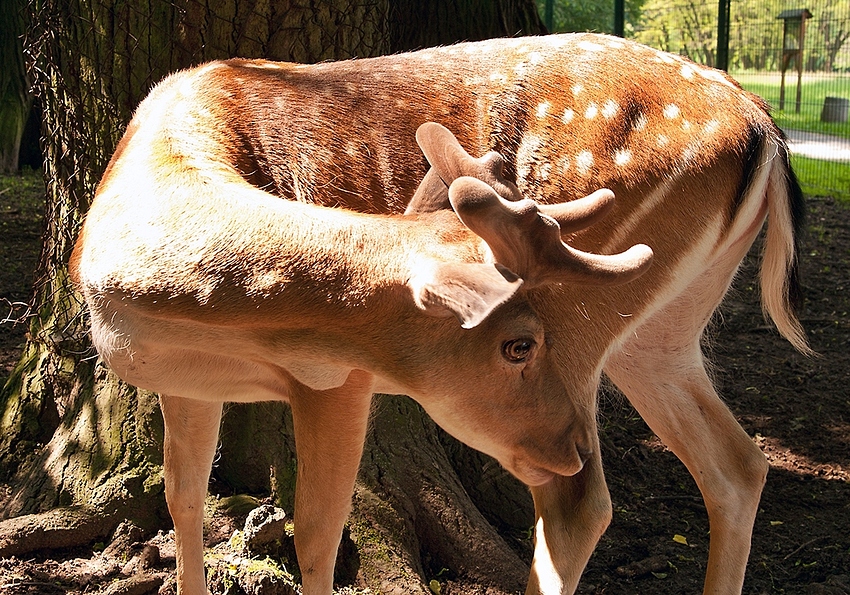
(800, 63)
(793, 41)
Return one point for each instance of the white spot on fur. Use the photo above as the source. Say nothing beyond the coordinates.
(499, 78)
(663, 140)
(665, 57)
(610, 109)
(564, 164)
(543, 171)
(577, 89)
(590, 46)
(640, 122)
(584, 161)
(535, 58)
(716, 76)
(671, 111)
(622, 157)
(686, 126)
(568, 116)
(543, 109)
(690, 152)
(591, 111)
(687, 71)
(617, 45)
(711, 126)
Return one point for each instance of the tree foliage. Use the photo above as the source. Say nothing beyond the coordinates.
(689, 27)
(591, 15)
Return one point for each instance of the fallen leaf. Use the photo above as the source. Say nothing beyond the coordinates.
(680, 539)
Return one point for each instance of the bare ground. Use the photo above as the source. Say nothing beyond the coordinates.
(797, 409)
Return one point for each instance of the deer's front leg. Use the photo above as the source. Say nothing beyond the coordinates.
(330, 428)
(571, 515)
(191, 434)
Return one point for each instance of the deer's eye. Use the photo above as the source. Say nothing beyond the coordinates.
(517, 350)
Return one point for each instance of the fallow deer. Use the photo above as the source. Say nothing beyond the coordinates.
(211, 261)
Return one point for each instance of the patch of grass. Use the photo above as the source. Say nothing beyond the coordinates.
(21, 206)
(815, 87)
(819, 178)
(823, 178)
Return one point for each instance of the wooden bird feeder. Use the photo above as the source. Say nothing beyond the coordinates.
(793, 40)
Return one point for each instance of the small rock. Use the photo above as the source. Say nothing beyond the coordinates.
(265, 584)
(149, 557)
(265, 525)
(643, 567)
(835, 585)
(126, 534)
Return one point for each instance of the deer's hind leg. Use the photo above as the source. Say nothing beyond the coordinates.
(662, 372)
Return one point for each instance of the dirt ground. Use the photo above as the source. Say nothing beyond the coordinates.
(797, 409)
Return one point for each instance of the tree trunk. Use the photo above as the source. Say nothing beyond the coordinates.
(75, 440)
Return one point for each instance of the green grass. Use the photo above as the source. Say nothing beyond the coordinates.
(818, 178)
(823, 178)
(815, 87)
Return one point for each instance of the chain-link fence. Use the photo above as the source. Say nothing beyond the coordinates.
(796, 56)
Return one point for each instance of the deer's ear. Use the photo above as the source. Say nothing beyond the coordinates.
(469, 291)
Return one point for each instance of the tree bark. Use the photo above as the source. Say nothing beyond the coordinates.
(75, 438)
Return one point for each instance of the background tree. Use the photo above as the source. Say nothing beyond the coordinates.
(82, 449)
(831, 26)
(687, 27)
(591, 15)
(15, 99)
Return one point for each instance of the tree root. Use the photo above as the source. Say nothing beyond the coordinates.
(407, 476)
(66, 527)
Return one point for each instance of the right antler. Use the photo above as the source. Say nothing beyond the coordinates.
(450, 161)
(527, 240)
